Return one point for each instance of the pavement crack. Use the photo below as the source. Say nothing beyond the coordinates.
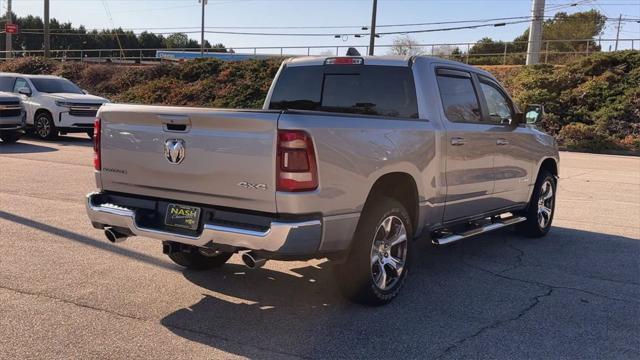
(518, 259)
(538, 283)
(534, 302)
(136, 318)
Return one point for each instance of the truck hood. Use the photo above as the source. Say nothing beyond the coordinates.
(79, 98)
(7, 96)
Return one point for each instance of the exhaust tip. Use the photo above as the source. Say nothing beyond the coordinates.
(252, 261)
(114, 236)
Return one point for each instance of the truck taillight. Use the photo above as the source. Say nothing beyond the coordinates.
(97, 163)
(296, 167)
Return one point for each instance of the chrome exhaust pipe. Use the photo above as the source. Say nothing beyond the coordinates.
(252, 260)
(114, 236)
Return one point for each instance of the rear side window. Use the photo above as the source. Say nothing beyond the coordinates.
(6, 83)
(387, 91)
(459, 98)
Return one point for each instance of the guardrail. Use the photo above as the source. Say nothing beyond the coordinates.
(553, 51)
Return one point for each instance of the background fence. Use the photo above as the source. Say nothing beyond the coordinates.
(497, 53)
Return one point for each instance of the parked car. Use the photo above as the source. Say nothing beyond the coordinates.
(12, 118)
(351, 159)
(54, 105)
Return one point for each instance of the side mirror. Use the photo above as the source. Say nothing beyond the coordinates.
(24, 91)
(85, 92)
(534, 113)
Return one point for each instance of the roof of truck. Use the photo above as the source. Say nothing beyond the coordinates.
(387, 60)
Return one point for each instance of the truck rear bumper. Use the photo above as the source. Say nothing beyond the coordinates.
(296, 238)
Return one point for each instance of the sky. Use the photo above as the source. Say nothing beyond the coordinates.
(185, 14)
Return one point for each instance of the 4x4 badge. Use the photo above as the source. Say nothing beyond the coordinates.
(174, 150)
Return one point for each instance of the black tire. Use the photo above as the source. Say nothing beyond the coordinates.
(539, 220)
(90, 134)
(194, 258)
(357, 276)
(43, 126)
(10, 137)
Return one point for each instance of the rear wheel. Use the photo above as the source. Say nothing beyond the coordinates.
(197, 258)
(541, 207)
(10, 137)
(90, 134)
(378, 263)
(44, 127)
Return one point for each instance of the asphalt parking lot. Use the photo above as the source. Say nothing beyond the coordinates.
(65, 292)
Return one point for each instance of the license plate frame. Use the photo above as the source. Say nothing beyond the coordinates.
(182, 216)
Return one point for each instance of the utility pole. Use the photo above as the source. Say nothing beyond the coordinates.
(618, 33)
(203, 2)
(47, 36)
(372, 39)
(9, 20)
(535, 32)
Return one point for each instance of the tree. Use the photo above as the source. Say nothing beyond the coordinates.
(406, 45)
(177, 40)
(585, 25)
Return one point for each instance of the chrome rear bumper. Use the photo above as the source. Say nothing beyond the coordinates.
(282, 237)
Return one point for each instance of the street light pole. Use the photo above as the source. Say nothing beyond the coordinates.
(372, 39)
(7, 35)
(618, 32)
(535, 33)
(203, 2)
(47, 37)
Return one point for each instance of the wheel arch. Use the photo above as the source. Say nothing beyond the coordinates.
(40, 111)
(401, 186)
(550, 164)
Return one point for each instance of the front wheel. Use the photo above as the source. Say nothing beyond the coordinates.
(44, 127)
(378, 262)
(10, 137)
(541, 207)
(197, 258)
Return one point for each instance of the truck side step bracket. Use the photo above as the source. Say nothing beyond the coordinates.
(498, 223)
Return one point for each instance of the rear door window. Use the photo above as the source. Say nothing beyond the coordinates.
(387, 91)
(459, 97)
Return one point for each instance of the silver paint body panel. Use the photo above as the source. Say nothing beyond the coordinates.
(226, 147)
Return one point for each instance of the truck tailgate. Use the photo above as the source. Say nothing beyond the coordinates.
(228, 156)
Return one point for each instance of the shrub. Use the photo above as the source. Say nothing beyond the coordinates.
(578, 136)
(35, 66)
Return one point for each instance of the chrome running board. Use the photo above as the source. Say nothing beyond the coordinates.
(448, 239)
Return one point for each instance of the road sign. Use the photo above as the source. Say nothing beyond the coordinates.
(11, 28)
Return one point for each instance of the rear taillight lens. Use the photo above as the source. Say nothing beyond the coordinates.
(296, 167)
(97, 163)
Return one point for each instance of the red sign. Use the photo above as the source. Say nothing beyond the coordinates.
(11, 28)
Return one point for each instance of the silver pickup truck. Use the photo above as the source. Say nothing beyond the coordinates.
(351, 159)
(12, 118)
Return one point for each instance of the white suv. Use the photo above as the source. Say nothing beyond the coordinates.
(54, 105)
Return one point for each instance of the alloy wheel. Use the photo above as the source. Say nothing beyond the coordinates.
(389, 252)
(43, 127)
(545, 204)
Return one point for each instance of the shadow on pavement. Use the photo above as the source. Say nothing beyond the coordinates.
(85, 240)
(24, 148)
(453, 296)
(78, 139)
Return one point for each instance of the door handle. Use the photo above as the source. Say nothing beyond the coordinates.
(458, 141)
(501, 142)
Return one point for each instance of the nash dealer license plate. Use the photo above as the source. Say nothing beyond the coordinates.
(185, 217)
